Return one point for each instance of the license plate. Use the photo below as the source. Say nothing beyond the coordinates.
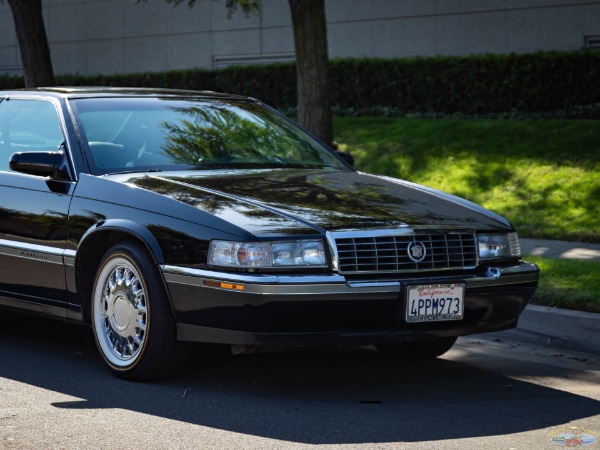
(435, 302)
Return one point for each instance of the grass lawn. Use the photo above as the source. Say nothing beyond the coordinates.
(568, 284)
(543, 175)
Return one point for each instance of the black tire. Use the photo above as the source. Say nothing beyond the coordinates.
(418, 350)
(132, 320)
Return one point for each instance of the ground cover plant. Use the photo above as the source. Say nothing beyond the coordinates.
(567, 283)
(544, 175)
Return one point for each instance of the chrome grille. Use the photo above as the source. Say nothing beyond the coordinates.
(450, 251)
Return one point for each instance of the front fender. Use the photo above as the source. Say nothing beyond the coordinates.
(124, 226)
(92, 247)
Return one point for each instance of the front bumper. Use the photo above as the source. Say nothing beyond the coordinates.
(270, 310)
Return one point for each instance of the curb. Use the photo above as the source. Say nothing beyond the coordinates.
(557, 327)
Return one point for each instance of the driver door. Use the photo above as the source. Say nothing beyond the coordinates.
(33, 210)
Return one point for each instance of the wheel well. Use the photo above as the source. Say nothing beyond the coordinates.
(89, 255)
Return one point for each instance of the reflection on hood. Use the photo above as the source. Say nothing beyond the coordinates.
(327, 200)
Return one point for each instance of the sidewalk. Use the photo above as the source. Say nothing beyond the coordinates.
(554, 326)
(560, 249)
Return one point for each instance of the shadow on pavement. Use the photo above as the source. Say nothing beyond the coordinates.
(325, 396)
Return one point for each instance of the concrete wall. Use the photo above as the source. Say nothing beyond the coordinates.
(120, 36)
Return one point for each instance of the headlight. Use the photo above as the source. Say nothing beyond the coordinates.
(499, 246)
(267, 254)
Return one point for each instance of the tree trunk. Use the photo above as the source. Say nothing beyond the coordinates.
(312, 63)
(33, 43)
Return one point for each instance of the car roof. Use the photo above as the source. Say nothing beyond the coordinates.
(103, 91)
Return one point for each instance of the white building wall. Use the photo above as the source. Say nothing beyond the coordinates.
(121, 36)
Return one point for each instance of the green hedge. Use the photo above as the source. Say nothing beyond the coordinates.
(8, 82)
(181, 79)
(537, 82)
(482, 84)
(274, 84)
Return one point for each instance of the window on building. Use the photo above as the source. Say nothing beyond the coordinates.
(592, 41)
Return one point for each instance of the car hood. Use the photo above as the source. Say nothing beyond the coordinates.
(317, 200)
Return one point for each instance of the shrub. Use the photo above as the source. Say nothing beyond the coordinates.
(563, 84)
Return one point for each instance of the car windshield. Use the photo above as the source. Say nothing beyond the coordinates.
(142, 134)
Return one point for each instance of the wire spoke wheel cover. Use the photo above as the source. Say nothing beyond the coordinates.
(120, 312)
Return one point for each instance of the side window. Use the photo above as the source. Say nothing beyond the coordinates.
(27, 125)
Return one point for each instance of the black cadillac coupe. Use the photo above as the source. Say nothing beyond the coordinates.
(165, 217)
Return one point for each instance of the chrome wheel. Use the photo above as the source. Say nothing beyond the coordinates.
(120, 312)
(132, 318)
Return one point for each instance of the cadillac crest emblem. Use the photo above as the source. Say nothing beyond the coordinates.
(416, 251)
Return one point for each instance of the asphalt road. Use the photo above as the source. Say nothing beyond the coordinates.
(487, 393)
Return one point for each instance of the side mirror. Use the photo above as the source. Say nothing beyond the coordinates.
(44, 164)
(346, 156)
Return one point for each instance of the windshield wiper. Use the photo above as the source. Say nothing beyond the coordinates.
(134, 171)
(252, 165)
